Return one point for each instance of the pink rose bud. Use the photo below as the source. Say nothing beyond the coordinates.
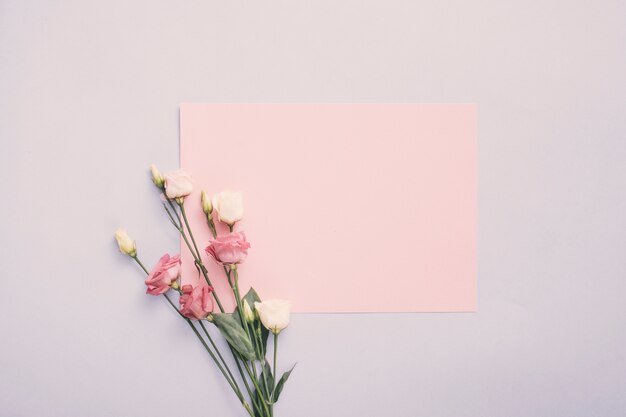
(164, 274)
(177, 184)
(229, 249)
(196, 303)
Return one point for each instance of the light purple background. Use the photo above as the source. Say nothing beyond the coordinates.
(89, 95)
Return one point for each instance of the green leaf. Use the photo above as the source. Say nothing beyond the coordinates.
(234, 334)
(258, 412)
(281, 383)
(251, 297)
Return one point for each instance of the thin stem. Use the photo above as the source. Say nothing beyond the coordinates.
(236, 389)
(182, 210)
(208, 335)
(169, 214)
(211, 226)
(141, 265)
(259, 340)
(169, 201)
(243, 377)
(195, 253)
(267, 387)
(242, 316)
(253, 374)
(258, 389)
(274, 369)
(174, 306)
(256, 376)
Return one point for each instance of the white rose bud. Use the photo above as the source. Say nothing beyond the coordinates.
(274, 314)
(247, 312)
(126, 244)
(157, 178)
(177, 184)
(229, 206)
(207, 207)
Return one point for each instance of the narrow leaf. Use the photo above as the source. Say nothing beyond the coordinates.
(258, 412)
(281, 383)
(251, 297)
(234, 334)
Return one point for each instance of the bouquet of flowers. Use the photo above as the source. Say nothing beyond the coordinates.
(247, 329)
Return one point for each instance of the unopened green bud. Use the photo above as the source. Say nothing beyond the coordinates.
(126, 244)
(207, 207)
(247, 312)
(157, 178)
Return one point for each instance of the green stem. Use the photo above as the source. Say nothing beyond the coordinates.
(182, 210)
(141, 265)
(243, 377)
(232, 383)
(258, 389)
(211, 226)
(195, 253)
(235, 390)
(267, 387)
(234, 282)
(242, 316)
(179, 226)
(173, 306)
(219, 354)
(274, 369)
(259, 339)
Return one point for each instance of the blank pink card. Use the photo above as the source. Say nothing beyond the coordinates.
(348, 207)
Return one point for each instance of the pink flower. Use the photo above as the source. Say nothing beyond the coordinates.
(177, 184)
(163, 275)
(229, 249)
(196, 303)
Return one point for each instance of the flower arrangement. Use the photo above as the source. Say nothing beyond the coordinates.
(247, 329)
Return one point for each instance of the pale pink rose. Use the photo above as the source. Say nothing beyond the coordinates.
(163, 275)
(229, 249)
(229, 206)
(177, 184)
(196, 303)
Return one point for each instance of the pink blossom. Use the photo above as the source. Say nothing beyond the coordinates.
(229, 249)
(196, 302)
(177, 184)
(163, 275)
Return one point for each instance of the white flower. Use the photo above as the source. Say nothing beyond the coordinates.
(126, 244)
(274, 314)
(207, 207)
(157, 178)
(177, 184)
(229, 206)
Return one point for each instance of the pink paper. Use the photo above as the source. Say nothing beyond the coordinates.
(348, 207)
